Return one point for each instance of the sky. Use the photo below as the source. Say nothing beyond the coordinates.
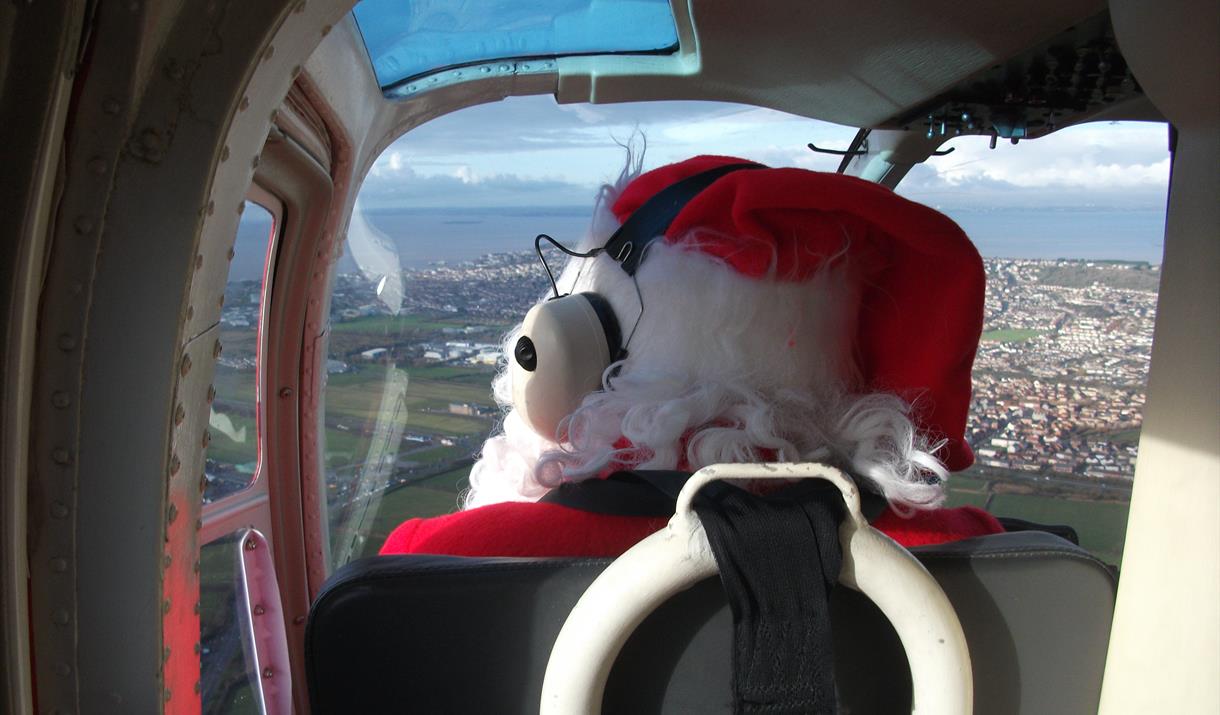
(530, 151)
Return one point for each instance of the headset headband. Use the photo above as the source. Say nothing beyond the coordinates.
(652, 220)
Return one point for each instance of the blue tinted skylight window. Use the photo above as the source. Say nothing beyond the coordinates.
(409, 38)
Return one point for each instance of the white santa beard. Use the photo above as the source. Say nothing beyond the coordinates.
(721, 368)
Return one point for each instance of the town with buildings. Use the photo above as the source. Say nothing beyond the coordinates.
(1060, 373)
(1058, 380)
(1059, 376)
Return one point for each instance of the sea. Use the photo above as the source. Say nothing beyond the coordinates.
(452, 235)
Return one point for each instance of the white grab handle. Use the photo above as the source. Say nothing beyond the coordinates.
(679, 556)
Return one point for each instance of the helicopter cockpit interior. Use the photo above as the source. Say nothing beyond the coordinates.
(151, 145)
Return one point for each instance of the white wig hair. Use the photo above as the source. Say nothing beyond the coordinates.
(721, 367)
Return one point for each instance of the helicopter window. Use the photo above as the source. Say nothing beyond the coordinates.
(233, 454)
(1071, 230)
(407, 40)
(436, 268)
(438, 264)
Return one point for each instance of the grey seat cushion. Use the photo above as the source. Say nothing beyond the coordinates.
(443, 634)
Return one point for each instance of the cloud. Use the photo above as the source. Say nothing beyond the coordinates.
(1123, 165)
(463, 186)
(530, 151)
(584, 112)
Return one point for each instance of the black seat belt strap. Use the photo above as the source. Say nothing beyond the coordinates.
(651, 492)
(779, 559)
(642, 493)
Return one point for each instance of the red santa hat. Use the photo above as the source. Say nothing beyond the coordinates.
(921, 302)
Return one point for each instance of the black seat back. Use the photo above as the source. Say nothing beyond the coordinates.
(441, 634)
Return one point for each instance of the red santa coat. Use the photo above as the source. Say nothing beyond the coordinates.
(542, 529)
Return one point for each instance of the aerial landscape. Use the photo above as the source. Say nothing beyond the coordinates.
(1059, 383)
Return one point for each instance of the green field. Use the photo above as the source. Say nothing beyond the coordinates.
(223, 448)
(358, 394)
(964, 491)
(392, 324)
(1101, 525)
(1126, 436)
(398, 324)
(1014, 335)
(430, 497)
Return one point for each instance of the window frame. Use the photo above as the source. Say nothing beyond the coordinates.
(251, 505)
(306, 190)
(279, 502)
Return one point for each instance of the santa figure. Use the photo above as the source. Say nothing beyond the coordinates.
(778, 315)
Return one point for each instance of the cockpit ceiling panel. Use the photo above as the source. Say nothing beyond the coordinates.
(407, 40)
(861, 64)
(1075, 75)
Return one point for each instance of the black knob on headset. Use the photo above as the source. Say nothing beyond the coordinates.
(525, 354)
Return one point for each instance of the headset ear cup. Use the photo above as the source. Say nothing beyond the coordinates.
(559, 358)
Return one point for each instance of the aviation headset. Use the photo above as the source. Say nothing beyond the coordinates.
(567, 342)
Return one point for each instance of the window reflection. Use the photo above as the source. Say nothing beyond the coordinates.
(413, 344)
